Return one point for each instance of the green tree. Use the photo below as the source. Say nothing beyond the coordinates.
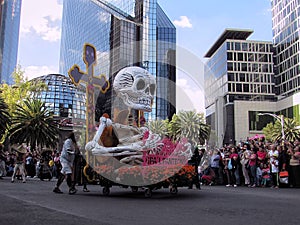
(21, 89)
(269, 132)
(33, 124)
(273, 132)
(158, 127)
(291, 130)
(4, 118)
(191, 125)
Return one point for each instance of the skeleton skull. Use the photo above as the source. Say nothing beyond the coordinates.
(136, 86)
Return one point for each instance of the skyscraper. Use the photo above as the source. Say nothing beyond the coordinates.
(124, 33)
(10, 12)
(276, 90)
(286, 28)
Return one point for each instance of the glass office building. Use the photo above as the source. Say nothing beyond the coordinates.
(124, 33)
(10, 12)
(286, 28)
(66, 101)
(286, 19)
(238, 70)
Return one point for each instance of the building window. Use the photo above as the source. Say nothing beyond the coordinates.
(257, 122)
(230, 77)
(229, 56)
(230, 66)
(246, 87)
(238, 87)
(242, 77)
(240, 56)
(238, 46)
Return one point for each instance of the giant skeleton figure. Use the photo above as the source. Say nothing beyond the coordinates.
(136, 87)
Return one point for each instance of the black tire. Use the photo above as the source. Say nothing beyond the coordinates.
(173, 190)
(106, 191)
(134, 189)
(148, 193)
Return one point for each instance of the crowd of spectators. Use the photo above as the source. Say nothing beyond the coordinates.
(44, 165)
(254, 163)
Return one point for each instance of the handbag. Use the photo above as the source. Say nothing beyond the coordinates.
(284, 174)
(284, 177)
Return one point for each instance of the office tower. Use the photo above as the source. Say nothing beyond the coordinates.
(285, 27)
(124, 33)
(239, 80)
(10, 12)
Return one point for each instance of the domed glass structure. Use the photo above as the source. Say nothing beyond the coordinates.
(65, 100)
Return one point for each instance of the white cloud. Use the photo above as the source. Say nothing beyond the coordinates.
(42, 18)
(189, 96)
(184, 22)
(36, 71)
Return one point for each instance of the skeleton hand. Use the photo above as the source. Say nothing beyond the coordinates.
(107, 122)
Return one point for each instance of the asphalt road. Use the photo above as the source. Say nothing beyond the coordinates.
(34, 203)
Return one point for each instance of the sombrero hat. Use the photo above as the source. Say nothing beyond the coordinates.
(19, 148)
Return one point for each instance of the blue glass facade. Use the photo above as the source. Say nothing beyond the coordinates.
(286, 18)
(10, 11)
(166, 66)
(124, 33)
(63, 98)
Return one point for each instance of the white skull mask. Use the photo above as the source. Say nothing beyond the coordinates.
(136, 86)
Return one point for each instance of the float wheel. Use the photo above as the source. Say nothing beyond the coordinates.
(106, 191)
(148, 193)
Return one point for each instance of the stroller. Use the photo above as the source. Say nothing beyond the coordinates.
(45, 171)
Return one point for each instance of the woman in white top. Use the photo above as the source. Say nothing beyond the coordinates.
(66, 159)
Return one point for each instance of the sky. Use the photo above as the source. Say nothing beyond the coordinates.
(198, 22)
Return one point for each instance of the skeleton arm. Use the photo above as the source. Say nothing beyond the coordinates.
(104, 122)
(98, 149)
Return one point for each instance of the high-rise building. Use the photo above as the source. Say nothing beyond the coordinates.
(239, 80)
(10, 12)
(283, 86)
(124, 33)
(286, 28)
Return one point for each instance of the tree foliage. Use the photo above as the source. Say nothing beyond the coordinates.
(158, 127)
(191, 125)
(4, 118)
(273, 132)
(21, 89)
(33, 124)
(185, 124)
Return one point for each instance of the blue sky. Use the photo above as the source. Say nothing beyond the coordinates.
(210, 18)
(199, 24)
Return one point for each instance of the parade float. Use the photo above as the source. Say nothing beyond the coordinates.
(121, 152)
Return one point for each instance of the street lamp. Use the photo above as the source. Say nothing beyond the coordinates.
(279, 118)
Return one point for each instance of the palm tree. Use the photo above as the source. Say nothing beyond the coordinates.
(291, 130)
(268, 131)
(273, 132)
(158, 127)
(4, 118)
(189, 124)
(32, 123)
